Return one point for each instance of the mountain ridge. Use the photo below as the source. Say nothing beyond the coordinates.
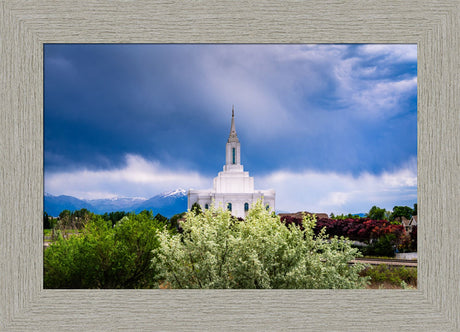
(167, 203)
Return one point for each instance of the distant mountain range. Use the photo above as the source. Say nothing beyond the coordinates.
(167, 204)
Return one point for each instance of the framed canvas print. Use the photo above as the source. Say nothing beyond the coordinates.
(25, 29)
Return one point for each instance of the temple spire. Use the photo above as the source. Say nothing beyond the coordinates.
(232, 148)
(233, 137)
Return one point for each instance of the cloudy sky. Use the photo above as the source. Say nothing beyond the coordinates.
(332, 128)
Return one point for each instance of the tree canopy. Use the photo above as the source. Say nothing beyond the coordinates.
(377, 213)
(196, 208)
(102, 256)
(401, 211)
(217, 250)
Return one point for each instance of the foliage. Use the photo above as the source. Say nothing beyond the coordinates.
(173, 221)
(413, 239)
(161, 218)
(196, 208)
(73, 220)
(114, 217)
(46, 221)
(102, 256)
(357, 229)
(401, 211)
(217, 250)
(364, 230)
(344, 216)
(377, 213)
(384, 246)
(415, 210)
(395, 275)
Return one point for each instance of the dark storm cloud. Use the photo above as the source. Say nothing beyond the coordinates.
(327, 108)
(103, 101)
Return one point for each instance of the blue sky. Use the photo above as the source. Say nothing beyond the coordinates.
(332, 128)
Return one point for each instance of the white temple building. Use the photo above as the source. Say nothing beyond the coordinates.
(233, 187)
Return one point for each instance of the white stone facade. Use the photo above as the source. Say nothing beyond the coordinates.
(233, 188)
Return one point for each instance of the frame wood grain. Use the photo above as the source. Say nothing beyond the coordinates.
(26, 25)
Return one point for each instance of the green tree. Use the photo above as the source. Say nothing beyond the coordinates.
(415, 210)
(64, 218)
(196, 208)
(80, 218)
(376, 213)
(102, 256)
(174, 221)
(46, 221)
(114, 217)
(384, 246)
(217, 250)
(63, 223)
(147, 213)
(161, 218)
(401, 211)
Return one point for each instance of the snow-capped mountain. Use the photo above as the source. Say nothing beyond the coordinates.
(114, 204)
(175, 193)
(53, 205)
(167, 204)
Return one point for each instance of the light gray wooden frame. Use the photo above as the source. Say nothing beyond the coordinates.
(26, 25)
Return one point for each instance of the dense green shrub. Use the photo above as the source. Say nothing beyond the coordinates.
(174, 221)
(394, 275)
(114, 216)
(102, 256)
(216, 250)
(46, 221)
(384, 246)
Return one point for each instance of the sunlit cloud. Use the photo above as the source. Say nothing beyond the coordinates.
(396, 52)
(382, 99)
(302, 191)
(138, 178)
(342, 193)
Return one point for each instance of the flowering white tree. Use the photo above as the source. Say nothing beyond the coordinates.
(216, 250)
